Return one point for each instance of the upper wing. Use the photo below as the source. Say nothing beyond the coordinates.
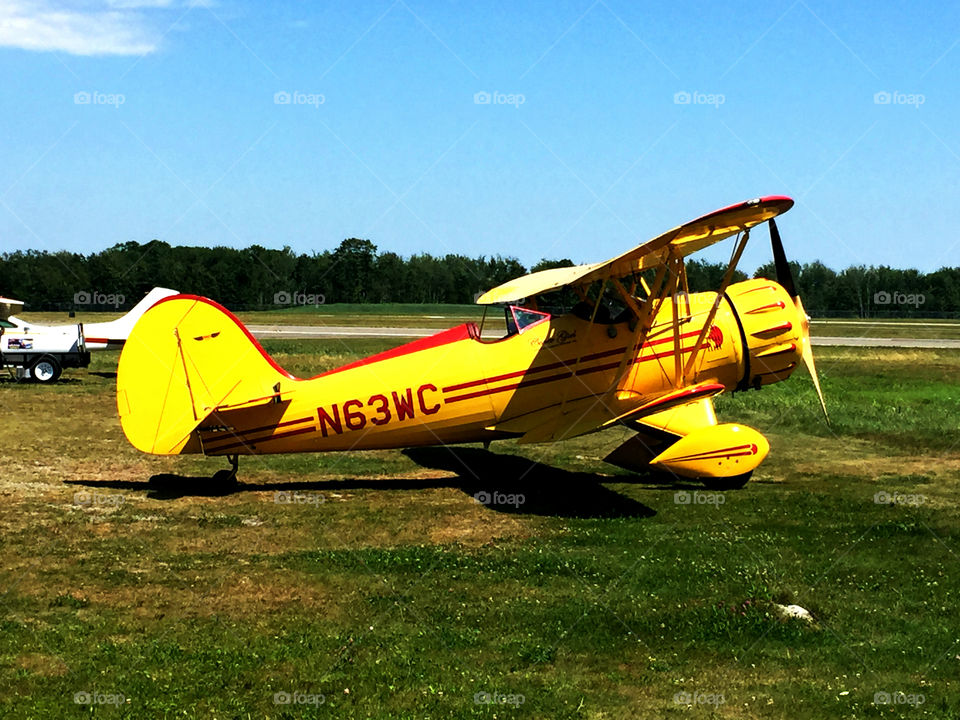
(680, 241)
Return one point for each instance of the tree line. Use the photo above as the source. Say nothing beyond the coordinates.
(356, 272)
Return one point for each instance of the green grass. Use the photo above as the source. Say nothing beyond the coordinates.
(393, 594)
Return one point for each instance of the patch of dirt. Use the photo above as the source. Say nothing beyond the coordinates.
(45, 665)
(475, 525)
(243, 540)
(945, 468)
(239, 595)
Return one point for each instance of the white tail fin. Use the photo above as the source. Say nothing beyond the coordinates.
(116, 332)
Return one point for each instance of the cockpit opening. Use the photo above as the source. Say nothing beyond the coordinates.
(518, 319)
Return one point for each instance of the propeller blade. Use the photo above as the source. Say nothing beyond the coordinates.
(785, 278)
(806, 354)
(784, 274)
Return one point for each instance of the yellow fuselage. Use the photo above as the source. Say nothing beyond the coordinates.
(455, 388)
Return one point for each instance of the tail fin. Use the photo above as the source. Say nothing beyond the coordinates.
(184, 359)
(116, 331)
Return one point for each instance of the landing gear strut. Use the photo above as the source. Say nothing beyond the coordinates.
(228, 477)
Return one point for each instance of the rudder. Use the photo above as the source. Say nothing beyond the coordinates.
(186, 357)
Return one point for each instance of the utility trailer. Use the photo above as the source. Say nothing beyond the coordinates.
(42, 357)
(41, 352)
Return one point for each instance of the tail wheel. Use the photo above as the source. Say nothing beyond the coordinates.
(45, 369)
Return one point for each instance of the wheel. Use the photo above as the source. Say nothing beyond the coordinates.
(45, 369)
(735, 482)
(224, 479)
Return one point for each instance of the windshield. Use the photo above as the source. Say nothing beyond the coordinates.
(520, 318)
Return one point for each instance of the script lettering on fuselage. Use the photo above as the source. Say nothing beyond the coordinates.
(377, 410)
(556, 338)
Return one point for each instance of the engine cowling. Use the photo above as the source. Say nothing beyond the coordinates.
(771, 329)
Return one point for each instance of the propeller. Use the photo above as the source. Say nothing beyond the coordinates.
(785, 278)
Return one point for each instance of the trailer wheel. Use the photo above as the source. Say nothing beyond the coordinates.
(45, 369)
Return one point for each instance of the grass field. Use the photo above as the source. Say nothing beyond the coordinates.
(374, 585)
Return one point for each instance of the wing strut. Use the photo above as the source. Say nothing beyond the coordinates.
(727, 277)
(576, 364)
(645, 315)
(677, 274)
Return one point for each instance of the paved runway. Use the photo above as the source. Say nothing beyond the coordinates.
(334, 331)
(937, 343)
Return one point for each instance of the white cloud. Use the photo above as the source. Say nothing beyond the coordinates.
(113, 27)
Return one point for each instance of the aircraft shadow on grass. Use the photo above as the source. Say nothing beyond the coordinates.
(504, 483)
(512, 484)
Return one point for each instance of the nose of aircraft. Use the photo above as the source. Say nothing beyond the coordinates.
(774, 325)
(771, 329)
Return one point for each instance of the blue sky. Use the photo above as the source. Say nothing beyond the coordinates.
(131, 120)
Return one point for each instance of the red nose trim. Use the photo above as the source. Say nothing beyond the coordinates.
(763, 308)
(782, 327)
(759, 287)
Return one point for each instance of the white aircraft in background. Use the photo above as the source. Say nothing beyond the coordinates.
(97, 336)
(45, 350)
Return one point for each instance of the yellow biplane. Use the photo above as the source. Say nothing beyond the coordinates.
(633, 348)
